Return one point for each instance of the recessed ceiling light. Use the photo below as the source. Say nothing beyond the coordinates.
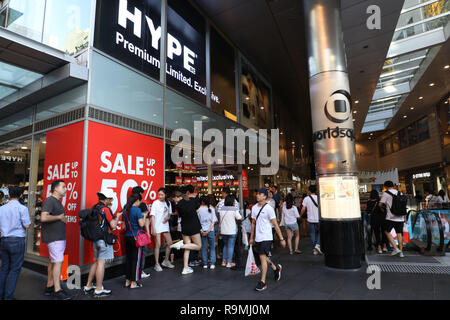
(281, 132)
(405, 117)
(262, 108)
(24, 148)
(293, 142)
(420, 98)
(355, 111)
(446, 102)
(357, 101)
(447, 66)
(44, 142)
(7, 152)
(247, 98)
(371, 134)
(354, 120)
(412, 108)
(432, 84)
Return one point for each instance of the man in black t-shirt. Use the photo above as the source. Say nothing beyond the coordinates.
(54, 235)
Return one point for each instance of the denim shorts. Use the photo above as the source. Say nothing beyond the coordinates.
(103, 251)
(292, 227)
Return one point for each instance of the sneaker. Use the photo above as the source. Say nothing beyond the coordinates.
(187, 271)
(167, 264)
(205, 266)
(224, 263)
(385, 250)
(318, 249)
(62, 295)
(101, 294)
(177, 245)
(158, 268)
(261, 286)
(49, 291)
(88, 290)
(380, 252)
(315, 252)
(144, 275)
(231, 265)
(395, 252)
(277, 272)
(212, 267)
(192, 264)
(401, 255)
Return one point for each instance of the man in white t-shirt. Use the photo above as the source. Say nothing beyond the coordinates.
(311, 206)
(263, 216)
(392, 221)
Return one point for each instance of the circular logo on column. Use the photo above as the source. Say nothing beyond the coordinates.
(338, 107)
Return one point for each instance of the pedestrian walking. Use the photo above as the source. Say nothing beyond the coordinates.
(311, 207)
(290, 214)
(263, 216)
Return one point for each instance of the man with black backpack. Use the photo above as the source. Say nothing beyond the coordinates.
(103, 249)
(394, 204)
(311, 206)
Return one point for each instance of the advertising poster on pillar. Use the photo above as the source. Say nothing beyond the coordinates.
(256, 109)
(119, 160)
(63, 161)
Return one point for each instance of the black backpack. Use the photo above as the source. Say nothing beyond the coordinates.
(90, 227)
(399, 203)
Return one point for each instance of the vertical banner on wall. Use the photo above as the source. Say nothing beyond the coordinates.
(119, 160)
(63, 161)
(244, 183)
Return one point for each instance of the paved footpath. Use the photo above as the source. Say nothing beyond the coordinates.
(304, 277)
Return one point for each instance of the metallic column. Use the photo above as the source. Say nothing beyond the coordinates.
(333, 136)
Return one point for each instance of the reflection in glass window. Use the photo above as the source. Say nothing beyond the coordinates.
(26, 18)
(67, 25)
(124, 91)
(403, 139)
(395, 144)
(412, 134)
(223, 92)
(61, 103)
(422, 129)
(16, 121)
(15, 164)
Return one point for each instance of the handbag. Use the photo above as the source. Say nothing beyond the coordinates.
(142, 239)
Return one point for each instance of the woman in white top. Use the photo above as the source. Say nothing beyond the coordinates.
(160, 215)
(228, 230)
(290, 214)
(208, 219)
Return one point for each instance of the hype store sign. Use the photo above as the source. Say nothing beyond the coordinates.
(119, 160)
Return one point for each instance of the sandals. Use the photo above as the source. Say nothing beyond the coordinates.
(298, 252)
(138, 286)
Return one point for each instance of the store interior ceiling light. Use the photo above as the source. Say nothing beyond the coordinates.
(390, 89)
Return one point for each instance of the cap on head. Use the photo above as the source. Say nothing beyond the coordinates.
(105, 194)
(264, 191)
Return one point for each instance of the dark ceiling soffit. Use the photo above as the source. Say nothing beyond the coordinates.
(29, 54)
(65, 78)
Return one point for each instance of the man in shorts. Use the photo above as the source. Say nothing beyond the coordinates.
(392, 221)
(263, 217)
(54, 235)
(103, 252)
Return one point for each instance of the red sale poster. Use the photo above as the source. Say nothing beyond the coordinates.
(63, 161)
(245, 183)
(119, 160)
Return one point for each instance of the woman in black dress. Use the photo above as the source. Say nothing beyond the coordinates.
(377, 218)
(187, 206)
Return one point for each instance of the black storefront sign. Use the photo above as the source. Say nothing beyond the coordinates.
(130, 31)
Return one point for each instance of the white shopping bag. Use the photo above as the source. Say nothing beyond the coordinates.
(251, 268)
(282, 223)
(244, 236)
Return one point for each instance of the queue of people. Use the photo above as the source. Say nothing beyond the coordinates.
(198, 225)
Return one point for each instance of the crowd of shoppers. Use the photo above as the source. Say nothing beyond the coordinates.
(198, 225)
